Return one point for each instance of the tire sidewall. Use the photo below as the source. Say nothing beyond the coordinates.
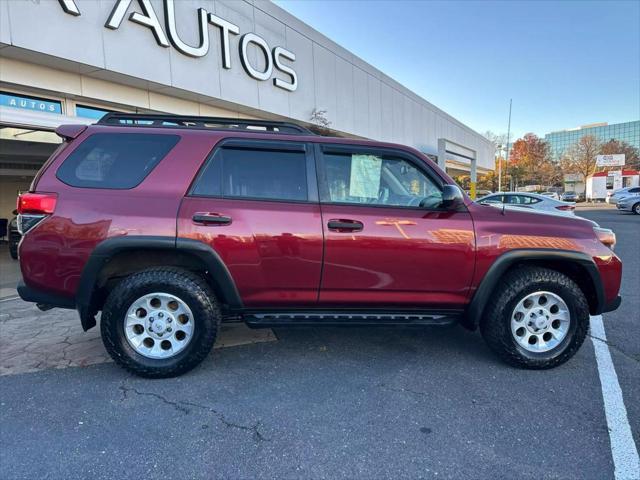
(115, 330)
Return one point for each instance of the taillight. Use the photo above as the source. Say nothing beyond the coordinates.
(33, 208)
(37, 203)
(606, 236)
(566, 207)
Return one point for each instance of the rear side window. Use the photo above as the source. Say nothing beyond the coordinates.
(254, 174)
(115, 160)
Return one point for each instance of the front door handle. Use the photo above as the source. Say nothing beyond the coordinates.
(211, 219)
(345, 225)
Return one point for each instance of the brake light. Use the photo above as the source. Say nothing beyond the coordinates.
(33, 208)
(37, 203)
(566, 207)
(606, 236)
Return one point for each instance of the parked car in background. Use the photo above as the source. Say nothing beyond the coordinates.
(170, 225)
(629, 203)
(529, 200)
(613, 197)
(14, 236)
(569, 197)
(553, 195)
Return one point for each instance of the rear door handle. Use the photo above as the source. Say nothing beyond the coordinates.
(345, 225)
(211, 219)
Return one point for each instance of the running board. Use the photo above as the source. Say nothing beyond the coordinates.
(337, 318)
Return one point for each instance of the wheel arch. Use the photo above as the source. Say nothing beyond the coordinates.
(576, 265)
(115, 258)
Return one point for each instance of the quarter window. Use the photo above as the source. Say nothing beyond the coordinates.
(369, 179)
(115, 160)
(255, 173)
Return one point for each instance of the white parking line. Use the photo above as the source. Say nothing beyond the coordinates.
(623, 448)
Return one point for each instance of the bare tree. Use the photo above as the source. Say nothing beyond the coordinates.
(581, 156)
(321, 123)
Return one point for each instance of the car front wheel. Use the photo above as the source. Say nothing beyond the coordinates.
(160, 322)
(537, 318)
(636, 208)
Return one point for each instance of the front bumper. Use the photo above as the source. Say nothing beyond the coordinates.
(612, 305)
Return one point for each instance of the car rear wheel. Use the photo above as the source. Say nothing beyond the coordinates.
(160, 322)
(537, 318)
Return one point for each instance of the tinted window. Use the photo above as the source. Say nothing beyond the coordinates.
(378, 180)
(521, 200)
(253, 173)
(115, 160)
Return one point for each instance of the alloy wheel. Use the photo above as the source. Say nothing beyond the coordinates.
(540, 321)
(158, 325)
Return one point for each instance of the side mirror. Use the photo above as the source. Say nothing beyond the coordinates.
(452, 198)
(15, 212)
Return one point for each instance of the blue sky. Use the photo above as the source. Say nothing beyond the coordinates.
(564, 64)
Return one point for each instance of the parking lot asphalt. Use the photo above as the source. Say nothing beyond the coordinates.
(334, 403)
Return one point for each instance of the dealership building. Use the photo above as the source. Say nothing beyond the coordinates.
(71, 61)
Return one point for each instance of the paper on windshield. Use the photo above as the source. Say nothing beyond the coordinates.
(365, 176)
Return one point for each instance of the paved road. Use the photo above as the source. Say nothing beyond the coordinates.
(330, 403)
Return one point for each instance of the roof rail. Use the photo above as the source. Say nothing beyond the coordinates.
(204, 123)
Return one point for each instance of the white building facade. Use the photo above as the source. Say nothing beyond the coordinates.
(69, 61)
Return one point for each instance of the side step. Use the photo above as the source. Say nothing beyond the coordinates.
(349, 318)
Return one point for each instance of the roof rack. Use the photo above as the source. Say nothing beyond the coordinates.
(204, 123)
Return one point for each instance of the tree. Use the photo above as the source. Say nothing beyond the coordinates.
(321, 124)
(581, 156)
(632, 157)
(529, 156)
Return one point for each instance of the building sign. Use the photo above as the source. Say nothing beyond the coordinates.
(610, 160)
(29, 103)
(277, 58)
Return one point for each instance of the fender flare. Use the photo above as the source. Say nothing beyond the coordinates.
(508, 259)
(107, 249)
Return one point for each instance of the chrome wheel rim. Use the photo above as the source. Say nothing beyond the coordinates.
(637, 208)
(158, 325)
(540, 322)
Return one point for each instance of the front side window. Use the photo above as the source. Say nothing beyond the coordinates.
(366, 179)
(115, 160)
(254, 174)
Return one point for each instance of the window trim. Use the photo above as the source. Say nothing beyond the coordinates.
(262, 145)
(421, 166)
(97, 187)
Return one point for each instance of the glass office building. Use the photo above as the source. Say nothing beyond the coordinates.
(560, 142)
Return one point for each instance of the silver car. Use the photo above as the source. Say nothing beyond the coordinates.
(529, 200)
(621, 192)
(629, 203)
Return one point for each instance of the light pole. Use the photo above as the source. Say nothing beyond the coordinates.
(509, 129)
(500, 150)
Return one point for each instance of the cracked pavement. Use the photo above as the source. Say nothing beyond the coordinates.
(31, 340)
(326, 403)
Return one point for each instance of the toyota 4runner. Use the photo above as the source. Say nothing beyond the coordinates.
(169, 225)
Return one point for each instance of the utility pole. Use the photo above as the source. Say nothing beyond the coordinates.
(507, 159)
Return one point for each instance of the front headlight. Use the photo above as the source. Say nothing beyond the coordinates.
(606, 236)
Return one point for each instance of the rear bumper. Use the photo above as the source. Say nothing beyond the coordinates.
(29, 294)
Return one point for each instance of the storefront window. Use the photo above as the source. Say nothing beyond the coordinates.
(90, 112)
(24, 102)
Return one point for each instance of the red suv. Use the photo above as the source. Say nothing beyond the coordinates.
(170, 225)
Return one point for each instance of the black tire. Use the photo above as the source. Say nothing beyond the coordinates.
(636, 208)
(192, 289)
(13, 251)
(495, 324)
